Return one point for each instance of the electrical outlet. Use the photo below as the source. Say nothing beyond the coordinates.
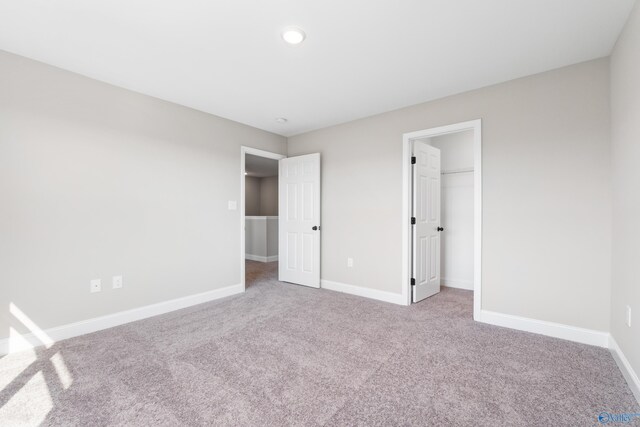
(233, 205)
(628, 318)
(95, 286)
(117, 282)
(349, 262)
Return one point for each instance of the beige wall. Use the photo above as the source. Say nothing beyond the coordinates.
(269, 196)
(252, 189)
(625, 126)
(261, 196)
(546, 183)
(97, 181)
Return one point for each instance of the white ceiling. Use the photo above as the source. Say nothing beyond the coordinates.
(260, 167)
(361, 57)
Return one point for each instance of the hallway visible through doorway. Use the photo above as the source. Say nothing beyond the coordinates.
(258, 273)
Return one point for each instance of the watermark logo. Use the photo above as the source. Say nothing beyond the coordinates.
(623, 418)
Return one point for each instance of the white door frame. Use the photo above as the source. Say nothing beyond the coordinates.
(407, 139)
(260, 153)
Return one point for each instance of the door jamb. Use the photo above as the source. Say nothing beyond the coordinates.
(407, 140)
(260, 153)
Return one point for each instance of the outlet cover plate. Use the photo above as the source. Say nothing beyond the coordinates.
(117, 282)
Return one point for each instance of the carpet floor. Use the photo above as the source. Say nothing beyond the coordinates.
(282, 354)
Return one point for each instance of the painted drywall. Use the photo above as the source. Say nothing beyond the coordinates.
(252, 189)
(456, 150)
(272, 236)
(625, 132)
(98, 181)
(269, 196)
(456, 161)
(546, 177)
(261, 237)
(261, 196)
(255, 236)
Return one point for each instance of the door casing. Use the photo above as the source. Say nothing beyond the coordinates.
(407, 141)
(243, 152)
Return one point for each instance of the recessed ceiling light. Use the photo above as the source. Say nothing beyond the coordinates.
(281, 120)
(293, 35)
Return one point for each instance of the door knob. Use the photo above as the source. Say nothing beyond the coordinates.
(314, 228)
(440, 229)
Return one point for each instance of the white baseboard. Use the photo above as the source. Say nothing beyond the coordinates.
(570, 333)
(30, 340)
(458, 284)
(556, 330)
(363, 292)
(261, 258)
(627, 370)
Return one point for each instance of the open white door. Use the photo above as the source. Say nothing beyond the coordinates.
(299, 220)
(426, 230)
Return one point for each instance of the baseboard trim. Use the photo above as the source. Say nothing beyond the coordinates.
(363, 292)
(260, 258)
(458, 284)
(556, 330)
(30, 340)
(625, 367)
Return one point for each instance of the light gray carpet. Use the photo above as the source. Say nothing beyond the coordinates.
(282, 354)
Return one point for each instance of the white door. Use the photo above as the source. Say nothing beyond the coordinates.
(299, 220)
(426, 230)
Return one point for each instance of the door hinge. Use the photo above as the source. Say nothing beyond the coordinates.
(413, 220)
(413, 160)
(413, 281)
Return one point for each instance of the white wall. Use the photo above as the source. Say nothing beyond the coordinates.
(625, 126)
(456, 153)
(255, 232)
(546, 177)
(97, 181)
(261, 238)
(456, 150)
